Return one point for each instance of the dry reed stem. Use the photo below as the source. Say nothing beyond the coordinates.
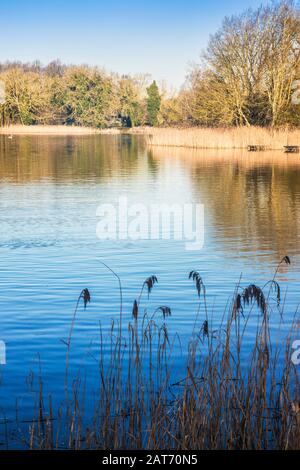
(224, 400)
(223, 138)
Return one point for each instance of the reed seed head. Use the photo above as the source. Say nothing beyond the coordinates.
(135, 310)
(198, 282)
(166, 311)
(85, 295)
(286, 260)
(150, 282)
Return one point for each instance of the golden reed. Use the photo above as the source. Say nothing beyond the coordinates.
(223, 138)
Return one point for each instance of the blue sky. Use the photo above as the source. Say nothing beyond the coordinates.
(156, 37)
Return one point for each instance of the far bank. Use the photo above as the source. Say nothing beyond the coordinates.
(193, 137)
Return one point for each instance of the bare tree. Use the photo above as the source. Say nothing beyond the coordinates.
(250, 66)
(282, 45)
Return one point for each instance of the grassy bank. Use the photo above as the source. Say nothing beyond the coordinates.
(18, 129)
(219, 401)
(53, 130)
(231, 138)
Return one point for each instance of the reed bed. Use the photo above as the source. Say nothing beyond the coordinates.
(217, 403)
(223, 138)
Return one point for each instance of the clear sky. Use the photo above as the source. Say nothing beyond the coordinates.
(160, 37)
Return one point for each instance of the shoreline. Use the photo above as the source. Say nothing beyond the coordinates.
(54, 130)
(238, 138)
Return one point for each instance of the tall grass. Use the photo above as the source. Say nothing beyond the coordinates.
(223, 138)
(218, 402)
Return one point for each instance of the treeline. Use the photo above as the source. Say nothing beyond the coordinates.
(249, 71)
(78, 95)
(247, 76)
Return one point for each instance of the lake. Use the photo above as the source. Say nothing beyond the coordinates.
(50, 191)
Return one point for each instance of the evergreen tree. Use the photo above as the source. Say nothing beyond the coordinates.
(153, 103)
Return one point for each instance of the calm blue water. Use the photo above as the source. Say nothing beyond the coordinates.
(50, 188)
